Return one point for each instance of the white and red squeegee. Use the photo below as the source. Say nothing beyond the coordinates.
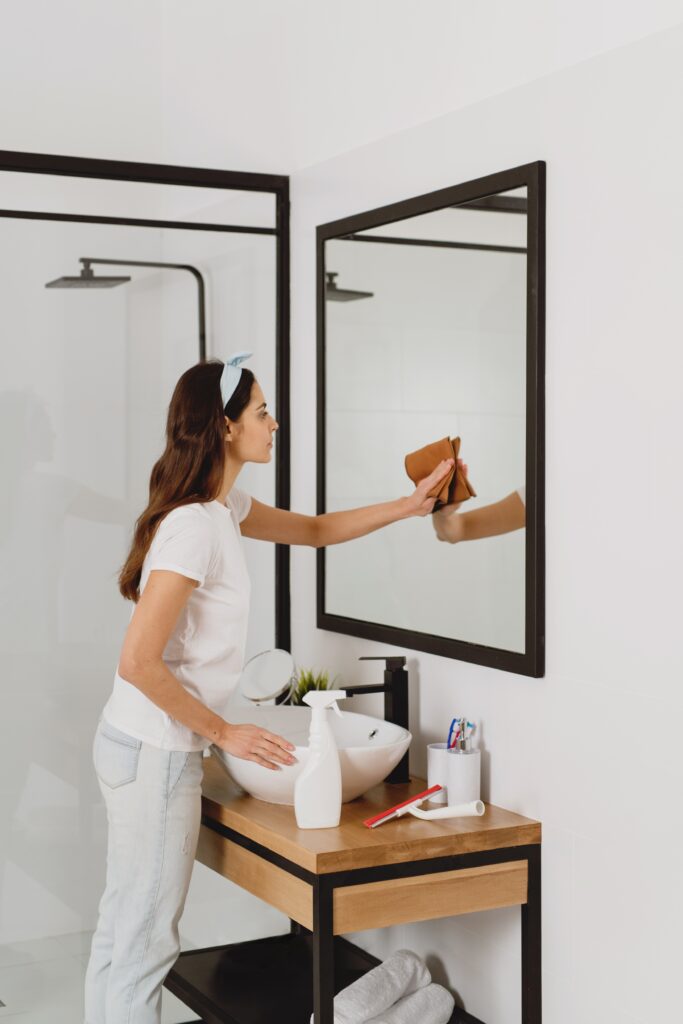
(473, 809)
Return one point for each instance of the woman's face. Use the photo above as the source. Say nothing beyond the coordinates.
(252, 435)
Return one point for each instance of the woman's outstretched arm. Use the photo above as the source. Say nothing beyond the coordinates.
(282, 527)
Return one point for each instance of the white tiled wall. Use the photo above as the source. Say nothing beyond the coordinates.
(85, 385)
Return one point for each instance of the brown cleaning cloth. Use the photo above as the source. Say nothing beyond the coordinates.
(455, 487)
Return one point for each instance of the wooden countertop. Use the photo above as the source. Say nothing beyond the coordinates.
(352, 845)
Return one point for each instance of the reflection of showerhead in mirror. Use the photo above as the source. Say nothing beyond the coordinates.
(336, 294)
(268, 676)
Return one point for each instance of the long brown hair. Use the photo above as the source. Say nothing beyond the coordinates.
(191, 467)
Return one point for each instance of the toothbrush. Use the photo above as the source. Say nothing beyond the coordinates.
(462, 733)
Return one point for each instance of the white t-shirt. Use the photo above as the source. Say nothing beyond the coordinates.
(205, 651)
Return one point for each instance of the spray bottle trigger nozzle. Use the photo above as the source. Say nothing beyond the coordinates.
(336, 708)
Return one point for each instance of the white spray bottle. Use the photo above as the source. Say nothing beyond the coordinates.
(318, 790)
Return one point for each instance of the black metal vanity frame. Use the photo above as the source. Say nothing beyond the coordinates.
(199, 177)
(532, 661)
(335, 961)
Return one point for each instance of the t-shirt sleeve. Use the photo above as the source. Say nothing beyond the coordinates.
(240, 501)
(521, 491)
(185, 542)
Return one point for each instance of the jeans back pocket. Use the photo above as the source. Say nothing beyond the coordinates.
(115, 755)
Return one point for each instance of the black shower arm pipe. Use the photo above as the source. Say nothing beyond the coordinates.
(87, 260)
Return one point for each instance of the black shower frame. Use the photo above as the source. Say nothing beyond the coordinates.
(200, 177)
(532, 661)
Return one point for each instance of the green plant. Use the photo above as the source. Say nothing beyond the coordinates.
(306, 680)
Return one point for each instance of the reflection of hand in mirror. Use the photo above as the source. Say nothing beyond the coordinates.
(488, 521)
(419, 502)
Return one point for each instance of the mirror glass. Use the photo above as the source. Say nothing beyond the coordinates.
(425, 338)
(267, 675)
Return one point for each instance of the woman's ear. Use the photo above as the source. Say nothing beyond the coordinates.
(233, 430)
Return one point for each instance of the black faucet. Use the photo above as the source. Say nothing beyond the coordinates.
(395, 690)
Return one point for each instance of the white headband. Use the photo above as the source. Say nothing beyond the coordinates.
(230, 377)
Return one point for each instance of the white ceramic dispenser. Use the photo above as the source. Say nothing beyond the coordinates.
(318, 790)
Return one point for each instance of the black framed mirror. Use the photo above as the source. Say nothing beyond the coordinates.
(430, 326)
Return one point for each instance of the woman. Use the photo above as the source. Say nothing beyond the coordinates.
(181, 658)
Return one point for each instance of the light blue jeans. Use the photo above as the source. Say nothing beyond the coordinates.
(153, 800)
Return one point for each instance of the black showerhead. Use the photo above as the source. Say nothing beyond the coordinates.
(336, 294)
(86, 279)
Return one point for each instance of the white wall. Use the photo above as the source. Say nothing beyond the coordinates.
(564, 749)
(274, 86)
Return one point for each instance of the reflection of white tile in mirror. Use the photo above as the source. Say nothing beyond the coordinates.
(439, 349)
(360, 345)
(135, 199)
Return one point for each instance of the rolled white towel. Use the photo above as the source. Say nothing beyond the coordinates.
(399, 975)
(431, 1005)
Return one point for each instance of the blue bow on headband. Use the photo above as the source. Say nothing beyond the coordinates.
(230, 377)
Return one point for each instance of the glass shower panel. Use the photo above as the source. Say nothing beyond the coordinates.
(85, 381)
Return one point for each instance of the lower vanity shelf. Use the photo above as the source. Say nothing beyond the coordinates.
(265, 980)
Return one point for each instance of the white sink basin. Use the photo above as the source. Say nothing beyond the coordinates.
(368, 750)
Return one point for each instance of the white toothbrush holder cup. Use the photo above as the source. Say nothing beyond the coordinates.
(463, 779)
(437, 770)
